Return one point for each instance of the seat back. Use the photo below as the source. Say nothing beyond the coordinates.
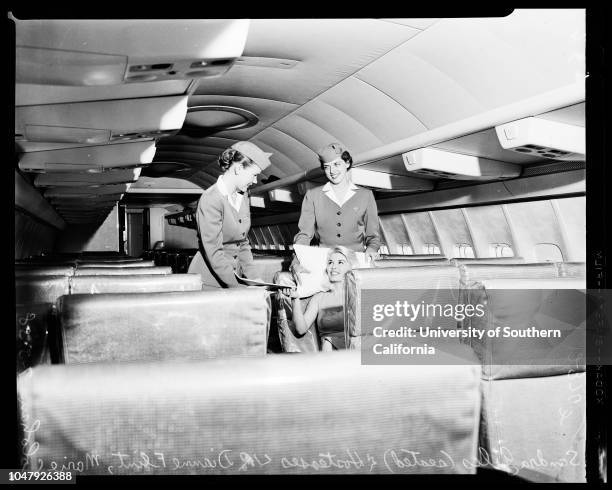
(319, 414)
(160, 326)
(534, 413)
(432, 284)
(488, 260)
(267, 267)
(472, 273)
(412, 257)
(571, 269)
(121, 271)
(115, 264)
(43, 270)
(40, 289)
(409, 263)
(145, 283)
(542, 305)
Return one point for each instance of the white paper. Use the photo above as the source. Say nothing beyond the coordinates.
(315, 260)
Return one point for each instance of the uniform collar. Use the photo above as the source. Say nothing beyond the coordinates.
(329, 192)
(327, 187)
(223, 191)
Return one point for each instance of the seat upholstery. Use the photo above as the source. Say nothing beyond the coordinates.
(488, 260)
(534, 389)
(40, 289)
(536, 427)
(145, 283)
(409, 263)
(114, 271)
(319, 414)
(159, 326)
(471, 273)
(571, 269)
(109, 260)
(267, 267)
(523, 303)
(412, 257)
(113, 264)
(43, 270)
(434, 284)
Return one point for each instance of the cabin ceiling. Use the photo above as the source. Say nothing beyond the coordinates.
(302, 83)
(367, 82)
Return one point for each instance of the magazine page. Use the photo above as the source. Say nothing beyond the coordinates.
(314, 259)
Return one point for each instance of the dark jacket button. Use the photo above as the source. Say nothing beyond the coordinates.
(339, 213)
(338, 235)
(339, 224)
(239, 221)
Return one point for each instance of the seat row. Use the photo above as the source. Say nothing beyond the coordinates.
(177, 259)
(533, 414)
(435, 409)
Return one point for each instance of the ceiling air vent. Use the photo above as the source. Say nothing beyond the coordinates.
(443, 164)
(543, 138)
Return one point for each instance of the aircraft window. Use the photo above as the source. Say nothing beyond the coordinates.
(535, 222)
(453, 232)
(253, 239)
(287, 236)
(488, 225)
(571, 213)
(267, 234)
(500, 250)
(548, 252)
(277, 236)
(431, 248)
(384, 250)
(422, 232)
(407, 250)
(463, 250)
(263, 244)
(396, 235)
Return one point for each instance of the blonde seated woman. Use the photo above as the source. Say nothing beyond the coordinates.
(326, 307)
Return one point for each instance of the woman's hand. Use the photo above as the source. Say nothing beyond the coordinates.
(290, 292)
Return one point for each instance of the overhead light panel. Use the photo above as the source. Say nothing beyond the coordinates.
(444, 164)
(543, 138)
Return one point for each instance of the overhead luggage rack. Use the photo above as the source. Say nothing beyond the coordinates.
(185, 218)
(115, 52)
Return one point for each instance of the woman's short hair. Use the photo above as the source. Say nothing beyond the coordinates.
(231, 156)
(349, 254)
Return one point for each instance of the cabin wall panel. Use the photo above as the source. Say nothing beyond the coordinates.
(157, 225)
(180, 237)
(91, 237)
(32, 237)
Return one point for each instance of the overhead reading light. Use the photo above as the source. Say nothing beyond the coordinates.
(543, 138)
(218, 118)
(457, 166)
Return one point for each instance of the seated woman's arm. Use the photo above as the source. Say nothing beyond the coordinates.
(304, 319)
